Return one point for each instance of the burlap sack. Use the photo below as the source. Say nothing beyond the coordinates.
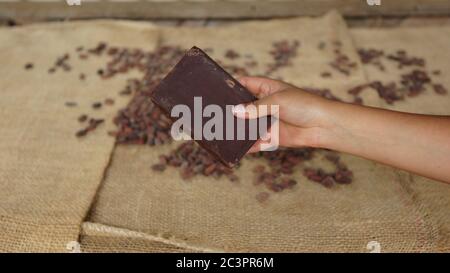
(216, 215)
(256, 39)
(101, 238)
(48, 177)
(430, 43)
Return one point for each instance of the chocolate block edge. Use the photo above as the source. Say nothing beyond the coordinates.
(245, 97)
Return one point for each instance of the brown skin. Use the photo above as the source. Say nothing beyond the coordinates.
(413, 142)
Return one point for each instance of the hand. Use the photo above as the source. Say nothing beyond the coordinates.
(302, 115)
(416, 143)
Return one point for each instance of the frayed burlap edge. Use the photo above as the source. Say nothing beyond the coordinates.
(93, 234)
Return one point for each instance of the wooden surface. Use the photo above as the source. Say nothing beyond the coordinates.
(138, 9)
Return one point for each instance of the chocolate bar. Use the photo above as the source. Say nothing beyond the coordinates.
(197, 77)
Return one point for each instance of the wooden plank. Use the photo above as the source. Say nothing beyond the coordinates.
(168, 9)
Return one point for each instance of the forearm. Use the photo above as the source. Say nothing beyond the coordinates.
(416, 143)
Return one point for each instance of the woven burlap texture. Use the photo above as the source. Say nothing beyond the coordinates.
(101, 238)
(48, 177)
(430, 43)
(214, 214)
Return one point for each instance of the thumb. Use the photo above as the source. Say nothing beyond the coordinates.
(263, 107)
(262, 87)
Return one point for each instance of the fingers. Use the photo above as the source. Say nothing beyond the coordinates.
(286, 136)
(255, 148)
(268, 142)
(265, 89)
(260, 108)
(262, 87)
(264, 144)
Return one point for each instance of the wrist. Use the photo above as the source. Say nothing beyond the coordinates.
(335, 133)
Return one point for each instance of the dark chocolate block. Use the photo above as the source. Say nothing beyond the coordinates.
(197, 75)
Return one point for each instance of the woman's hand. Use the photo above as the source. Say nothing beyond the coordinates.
(413, 142)
(302, 115)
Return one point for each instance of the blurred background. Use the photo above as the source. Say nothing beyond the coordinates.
(21, 11)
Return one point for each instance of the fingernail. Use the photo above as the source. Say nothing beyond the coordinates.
(268, 148)
(266, 136)
(239, 109)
